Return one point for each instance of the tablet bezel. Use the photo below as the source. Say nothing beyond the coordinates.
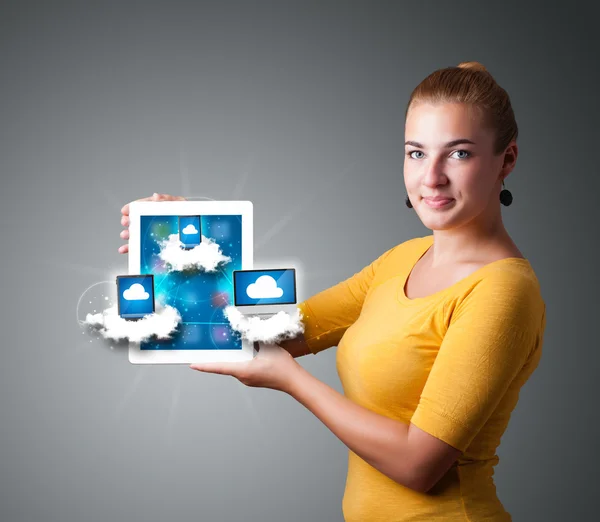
(183, 208)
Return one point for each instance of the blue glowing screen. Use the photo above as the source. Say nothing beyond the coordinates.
(189, 231)
(261, 287)
(200, 297)
(135, 296)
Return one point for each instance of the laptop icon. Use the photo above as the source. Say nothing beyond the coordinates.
(265, 292)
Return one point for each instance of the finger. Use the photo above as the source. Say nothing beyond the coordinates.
(167, 197)
(161, 197)
(125, 220)
(220, 368)
(153, 197)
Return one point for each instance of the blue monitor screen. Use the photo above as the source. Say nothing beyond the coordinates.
(189, 231)
(136, 296)
(262, 287)
(200, 297)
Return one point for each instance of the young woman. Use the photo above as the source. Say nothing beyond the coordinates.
(436, 336)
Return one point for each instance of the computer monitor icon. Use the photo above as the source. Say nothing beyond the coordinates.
(190, 231)
(135, 296)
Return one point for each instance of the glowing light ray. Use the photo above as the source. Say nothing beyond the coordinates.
(237, 191)
(113, 199)
(253, 413)
(73, 266)
(183, 172)
(301, 206)
(172, 408)
(82, 323)
(129, 393)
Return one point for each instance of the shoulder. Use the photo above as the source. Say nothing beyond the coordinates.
(407, 247)
(392, 263)
(505, 288)
(510, 277)
(394, 260)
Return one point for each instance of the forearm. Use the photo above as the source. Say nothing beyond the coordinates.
(379, 440)
(297, 346)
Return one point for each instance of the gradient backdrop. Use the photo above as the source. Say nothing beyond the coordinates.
(298, 107)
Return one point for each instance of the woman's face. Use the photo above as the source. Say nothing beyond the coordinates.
(435, 164)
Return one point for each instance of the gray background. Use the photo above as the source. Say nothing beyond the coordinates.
(298, 107)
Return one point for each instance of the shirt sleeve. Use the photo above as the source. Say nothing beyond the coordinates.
(328, 314)
(492, 333)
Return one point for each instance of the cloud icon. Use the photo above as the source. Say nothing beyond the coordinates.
(111, 325)
(206, 256)
(190, 229)
(275, 329)
(265, 287)
(136, 292)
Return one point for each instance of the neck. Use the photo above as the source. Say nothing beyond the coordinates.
(466, 243)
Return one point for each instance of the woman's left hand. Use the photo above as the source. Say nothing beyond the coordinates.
(273, 367)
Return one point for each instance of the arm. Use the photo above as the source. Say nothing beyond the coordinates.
(392, 447)
(328, 314)
(495, 333)
(498, 325)
(297, 347)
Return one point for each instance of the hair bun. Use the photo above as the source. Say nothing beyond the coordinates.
(476, 66)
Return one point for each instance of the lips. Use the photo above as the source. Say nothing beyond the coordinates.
(437, 198)
(438, 202)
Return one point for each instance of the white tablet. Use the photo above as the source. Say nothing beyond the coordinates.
(200, 296)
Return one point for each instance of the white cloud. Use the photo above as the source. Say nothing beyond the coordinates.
(264, 287)
(111, 325)
(190, 229)
(276, 328)
(136, 292)
(206, 256)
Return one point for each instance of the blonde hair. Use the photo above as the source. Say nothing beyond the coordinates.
(471, 83)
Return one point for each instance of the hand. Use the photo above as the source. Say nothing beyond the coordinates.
(273, 367)
(123, 249)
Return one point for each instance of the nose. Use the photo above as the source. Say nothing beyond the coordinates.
(434, 175)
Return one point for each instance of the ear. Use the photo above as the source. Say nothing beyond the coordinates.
(509, 159)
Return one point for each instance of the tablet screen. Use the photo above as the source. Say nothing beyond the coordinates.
(200, 297)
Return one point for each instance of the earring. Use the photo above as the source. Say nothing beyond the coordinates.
(408, 203)
(505, 196)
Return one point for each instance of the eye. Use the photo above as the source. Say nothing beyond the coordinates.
(413, 151)
(468, 154)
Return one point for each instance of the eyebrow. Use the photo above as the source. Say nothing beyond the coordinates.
(452, 143)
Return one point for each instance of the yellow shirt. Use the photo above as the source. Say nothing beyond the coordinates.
(452, 363)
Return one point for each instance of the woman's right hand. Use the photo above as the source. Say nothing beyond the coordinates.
(123, 249)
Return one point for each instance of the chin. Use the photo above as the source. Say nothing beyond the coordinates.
(437, 219)
(439, 226)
